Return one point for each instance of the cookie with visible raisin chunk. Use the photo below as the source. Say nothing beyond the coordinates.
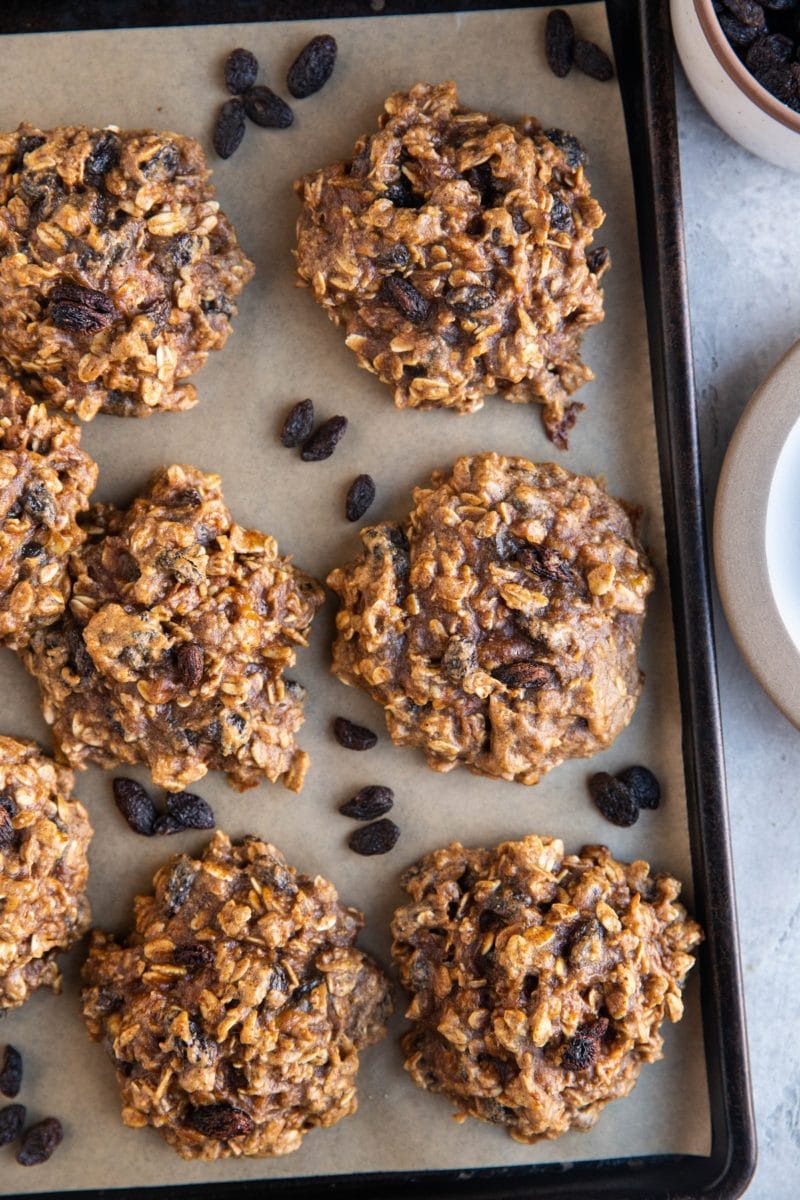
(119, 271)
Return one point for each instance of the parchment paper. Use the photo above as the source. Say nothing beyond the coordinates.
(283, 349)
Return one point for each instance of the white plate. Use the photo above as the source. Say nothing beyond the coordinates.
(757, 535)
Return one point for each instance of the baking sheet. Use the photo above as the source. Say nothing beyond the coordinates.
(283, 349)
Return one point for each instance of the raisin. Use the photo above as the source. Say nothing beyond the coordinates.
(360, 496)
(323, 441)
(298, 423)
(353, 737)
(313, 67)
(12, 1119)
(39, 504)
(559, 430)
(571, 148)
(220, 1121)
(39, 1141)
(229, 128)
(559, 42)
(179, 884)
(470, 299)
(189, 659)
(545, 563)
(403, 296)
(598, 260)
(184, 498)
(532, 676)
(135, 805)
(395, 258)
(481, 179)
(107, 1002)
(11, 1072)
(579, 1053)
(301, 994)
(80, 309)
(9, 837)
(767, 60)
(377, 838)
(166, 824)
(561, 216)
(593, 61)
(163, 164)
(747, 11)
(614, 799)
(194, 956)
(78, 656)
(738, 34)
(241, 69)
(8, 804)
(643, 786)
(191, 811)
(25, 146)
(264, 108)
(402, 194)
(371, 802)
(104, 156)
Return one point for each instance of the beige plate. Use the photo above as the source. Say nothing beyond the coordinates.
(757, 538)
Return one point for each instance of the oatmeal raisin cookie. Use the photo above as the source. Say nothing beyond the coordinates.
(499, 624)
(172, 649)
(539, 981)
(44, 836)
(117, 269)
(453, 250)
(235, 1010)
(45, 482)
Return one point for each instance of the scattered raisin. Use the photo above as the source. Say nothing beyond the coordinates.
(12, 1119)
(377, 838)
(241, 69)
(360, 496)
(614, 799)
(395, 258)
(371, 802)
(80, 309)
(191, 811)
(39, 1141)
(545, 563)
(11, 1072)
(353, 737)
(229, 128)
(189, 658)
(135, 805)
(194, 956)
(313, 67)
(470, 299)
(8, 804)
(593, 61)
(323, 441)
(531, 675)
(220, 1121)
(559, 42)
(643, 786)
(403, 296)
(298, 423)
(264, 108)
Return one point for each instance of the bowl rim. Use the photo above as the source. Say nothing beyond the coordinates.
(736, 70)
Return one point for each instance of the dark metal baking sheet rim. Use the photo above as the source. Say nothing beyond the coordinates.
(643, 50)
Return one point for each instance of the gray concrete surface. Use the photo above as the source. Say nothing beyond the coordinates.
(742, 220)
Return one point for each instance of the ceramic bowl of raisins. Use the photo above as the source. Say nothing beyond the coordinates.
(742, 58)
